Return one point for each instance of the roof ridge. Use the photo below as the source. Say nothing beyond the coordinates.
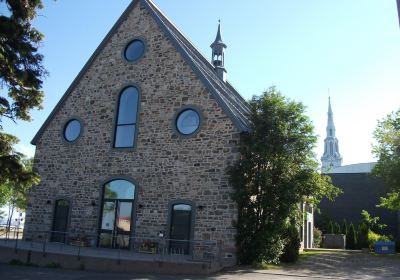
(180, 32)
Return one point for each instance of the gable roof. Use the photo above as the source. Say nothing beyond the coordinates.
(225, 94)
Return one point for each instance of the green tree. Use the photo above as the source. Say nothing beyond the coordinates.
(387, 150)
(21, 74)
(14, 194)
(351, 240)
(336, 228)
(21, 69)
(277, 172)
(331, 228)
(345, 227)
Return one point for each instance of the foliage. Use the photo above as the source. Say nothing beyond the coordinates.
(13, 171)
(374, 237)
(14, 194)
(371, 223)
(387, 150)
(331, 229)
(21, 74)
(336, 228)
(345, 227)
(317, 238)
(292, 245)
(21, 69)
(276, 173)
(351, 237)
(368, 224)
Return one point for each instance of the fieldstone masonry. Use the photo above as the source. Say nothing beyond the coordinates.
(163, 165)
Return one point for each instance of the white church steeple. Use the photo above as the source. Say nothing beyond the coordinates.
(331, 157)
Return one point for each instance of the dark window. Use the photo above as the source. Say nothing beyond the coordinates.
(134, 50)
(187, 122)
(126, 119)
(72, 130)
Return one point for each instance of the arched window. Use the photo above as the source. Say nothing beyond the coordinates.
(116, 218)
(125, 128)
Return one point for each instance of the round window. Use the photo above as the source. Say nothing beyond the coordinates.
(188, 121)
(134, 50)
(72, 130)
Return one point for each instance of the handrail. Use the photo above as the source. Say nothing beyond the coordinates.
(159, 247)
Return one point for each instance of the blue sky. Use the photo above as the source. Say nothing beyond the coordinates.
(302, 47)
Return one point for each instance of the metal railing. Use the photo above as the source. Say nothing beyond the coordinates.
(116, 246)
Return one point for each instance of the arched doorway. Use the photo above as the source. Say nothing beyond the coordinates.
(60, 221)
(117, 214)
(180, 231)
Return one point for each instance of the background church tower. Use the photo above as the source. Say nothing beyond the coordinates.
(331, 157)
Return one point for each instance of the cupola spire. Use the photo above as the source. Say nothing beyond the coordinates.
(331, 157)
(218, 54)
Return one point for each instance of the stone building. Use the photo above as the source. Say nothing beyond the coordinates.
(140, 142)
(139, 145)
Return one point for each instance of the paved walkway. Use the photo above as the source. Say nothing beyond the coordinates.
(325, 266)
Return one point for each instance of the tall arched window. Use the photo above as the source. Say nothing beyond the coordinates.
(116, 218)
(125, 128)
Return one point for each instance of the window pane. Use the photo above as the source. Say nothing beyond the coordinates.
(188, 122)
(124, 136)
(128, 104)
(124, 216)
(119, 189)
(72, 130)
(182, 207)
(134, 50)
(108, 216)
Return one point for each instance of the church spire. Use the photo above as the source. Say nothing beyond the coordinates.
(331, 157)
(218, 54)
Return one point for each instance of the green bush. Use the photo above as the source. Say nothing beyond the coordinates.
(351, 238)
(362, 236)
(374, 237)
(345, 227)
(292, 246)
(331, 229)
(317, 238)
(336, 228)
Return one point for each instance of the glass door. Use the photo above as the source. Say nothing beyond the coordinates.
(116, 217)
(116, 224)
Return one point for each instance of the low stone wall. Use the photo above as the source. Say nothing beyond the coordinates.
(104, 264)
(334, 241)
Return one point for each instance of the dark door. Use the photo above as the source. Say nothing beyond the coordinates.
(60, 221)
(309, 236)
(180, 228)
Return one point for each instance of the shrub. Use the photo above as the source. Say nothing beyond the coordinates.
(331, 229)
(362, 236)
(345, 227)
(374, 237)
(336, 228)
(317, 238)
(351, 238)
(292, 246)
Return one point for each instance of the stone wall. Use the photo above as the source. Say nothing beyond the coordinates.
(163, 166)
